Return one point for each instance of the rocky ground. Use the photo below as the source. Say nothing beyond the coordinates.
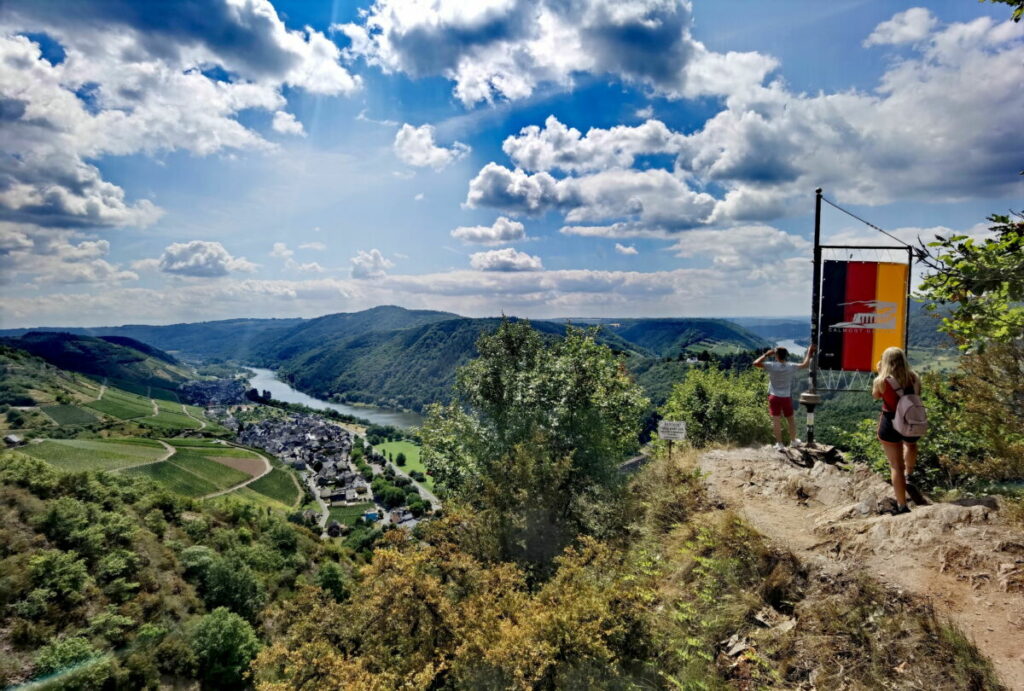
(961, 557)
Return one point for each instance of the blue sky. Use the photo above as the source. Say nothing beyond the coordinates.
(205, 160)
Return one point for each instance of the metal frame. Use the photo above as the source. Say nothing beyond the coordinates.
(810, 399)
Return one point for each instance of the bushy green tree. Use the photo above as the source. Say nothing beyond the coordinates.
(721, 407)
(537, 427)
(73, 663)
(224, 644)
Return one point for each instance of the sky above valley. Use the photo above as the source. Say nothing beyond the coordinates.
(210, 159)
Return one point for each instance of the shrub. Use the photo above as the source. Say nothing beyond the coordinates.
(721, 407)
(224, 644)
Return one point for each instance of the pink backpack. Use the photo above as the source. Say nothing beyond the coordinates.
(911, 418)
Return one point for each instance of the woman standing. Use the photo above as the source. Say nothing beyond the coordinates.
(895, 378)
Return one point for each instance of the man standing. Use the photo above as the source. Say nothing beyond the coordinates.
(781, 373)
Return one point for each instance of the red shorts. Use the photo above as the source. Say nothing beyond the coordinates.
(777, 405)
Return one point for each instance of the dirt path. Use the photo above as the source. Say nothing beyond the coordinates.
(962, 558)
(267, 467)
(103, 389)
(202, 423)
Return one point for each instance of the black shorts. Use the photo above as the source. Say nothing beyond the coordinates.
(887, 431)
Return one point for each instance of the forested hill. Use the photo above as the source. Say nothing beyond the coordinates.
(123, 360)
(408, 368)
(670, 337)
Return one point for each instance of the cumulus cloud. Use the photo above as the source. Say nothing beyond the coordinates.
(556, 146)
(913, 137)
(53, 256)
(281, 251)
(905, 27)
(507, 259)
(501, 231)
(653, 197)
(415, 146)
(285, 123)
(139, 78)
(201, 259)
(625, 249)
(742, 247)
(316, 246)
(506, 50)
(370, 264)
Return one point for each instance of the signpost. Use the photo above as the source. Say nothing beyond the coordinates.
(670, 431)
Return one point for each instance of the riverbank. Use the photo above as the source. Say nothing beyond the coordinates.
(266, 380)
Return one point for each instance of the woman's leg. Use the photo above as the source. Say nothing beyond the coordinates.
(894, 452)
(909, 457)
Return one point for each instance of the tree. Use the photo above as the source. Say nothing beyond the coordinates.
(333, 580)
(982, 281)
(400, 459)
(224, 644)
(536, 431)
(64, 654)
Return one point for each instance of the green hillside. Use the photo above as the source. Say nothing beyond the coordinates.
(408, 368)
(669, 337)
(313, 333)
(98, 358)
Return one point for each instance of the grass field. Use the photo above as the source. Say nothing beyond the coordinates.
(175, 478)
(197, 442)
(412, 458)
(277, 485)
(69, 414)
(92, 454)
(347, 515)
(216, 473)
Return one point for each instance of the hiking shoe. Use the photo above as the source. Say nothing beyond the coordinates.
(916, 496)
(795, 443)
(779, 446)
(888, 506)
(901, 510)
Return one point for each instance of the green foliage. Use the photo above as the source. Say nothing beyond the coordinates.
(537, 431)
(1017, 5)
(721, 407)
(982, 281)
(69, 414)
(94, 454)
(76, 663)
(333, 581)
(224, 644)
(279, 486)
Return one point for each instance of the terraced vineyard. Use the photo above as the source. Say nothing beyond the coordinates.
(176, 479)
(69, 414)
(169, 420)
(278, 486)
(95, 454)
(218, 474)
(122, 405)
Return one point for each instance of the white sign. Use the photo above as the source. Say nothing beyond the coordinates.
(672, 430)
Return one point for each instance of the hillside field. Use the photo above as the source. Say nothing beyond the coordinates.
(94, 454)
(69, 414)
(347, 515)
(412, 458)
(278, 486)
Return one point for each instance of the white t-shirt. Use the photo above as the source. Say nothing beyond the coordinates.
(780, 377)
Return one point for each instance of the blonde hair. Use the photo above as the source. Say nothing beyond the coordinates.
(894, 364)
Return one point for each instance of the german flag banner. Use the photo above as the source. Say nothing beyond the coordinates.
(863, 312)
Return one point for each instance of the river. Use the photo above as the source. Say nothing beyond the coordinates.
(266, 380)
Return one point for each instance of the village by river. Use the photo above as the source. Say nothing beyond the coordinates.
(266, 380)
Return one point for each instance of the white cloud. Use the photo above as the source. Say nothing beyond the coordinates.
(316, 246)
(201, 259)
(507, 259)
(281, 251)
(507, 49)
(742, 247)
(55, 256)
(137, 79)
(645, 113)
(419, 196)
(910, 26)
(559, 147)
(370, 264)
(415, 146)
(653, 197)
(285, 123)
(501, 231)
(914, 137)
(625, 249)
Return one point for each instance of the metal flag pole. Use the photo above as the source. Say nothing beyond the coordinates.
(810, 399)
